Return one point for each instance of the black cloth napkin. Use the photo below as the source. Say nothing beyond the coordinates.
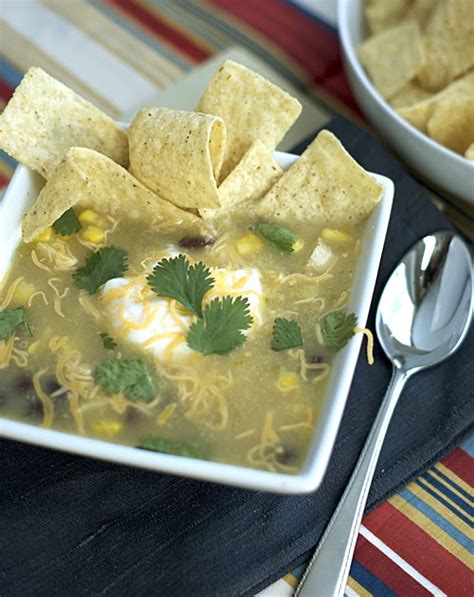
(73, 526)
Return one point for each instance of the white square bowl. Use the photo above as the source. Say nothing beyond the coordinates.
(21, 193)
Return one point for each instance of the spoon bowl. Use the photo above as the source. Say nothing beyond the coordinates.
(426, 305)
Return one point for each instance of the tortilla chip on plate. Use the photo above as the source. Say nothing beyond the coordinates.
(178, 155)
(93, 180)
(469, 153)
(392, 58)
(419, 114)
(325, 185)
(448, 42)
(383, 14)
(251, 107)
(44, 118)
(452, 124)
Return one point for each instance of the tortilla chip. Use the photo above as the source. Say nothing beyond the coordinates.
(452, 124)
(91, 179)
(409, 94)
(251, 107)
(44, 118)
(383, 14)
(421, 11)
(253, 176)
(469, 154)
(419, 114)
(178, 155)
(325, 185)
(448, 43)
(392, 58)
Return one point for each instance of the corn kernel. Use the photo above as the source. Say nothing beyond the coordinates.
(45, 236)
(107, 427)
(288, 381)
(93, 234)
(88, 216)
(337, 237)
(23, 292)
(297, 245)
(248, 244)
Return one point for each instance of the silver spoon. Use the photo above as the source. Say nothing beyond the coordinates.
(423, 316)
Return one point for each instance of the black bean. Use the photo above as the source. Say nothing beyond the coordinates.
(284, 454)
(196, 242)
(24, 383)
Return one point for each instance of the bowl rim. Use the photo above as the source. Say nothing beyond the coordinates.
(324, 435)
(351, 55)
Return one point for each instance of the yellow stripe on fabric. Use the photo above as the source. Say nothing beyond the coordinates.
(444, 483)
(22, 53)
(358, 588)
(262, 40)
(433, 530)
(440, 508)
(454, 478)
(184, 31)
(447, 499)
(187, 19)
(291, 580)
(129, 48)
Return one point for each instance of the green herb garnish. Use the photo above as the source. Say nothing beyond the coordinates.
(105, 264)
(68, 223)
(286, 334)
(157, 444)
(338, 328)
(283, 238)
(108, 342)
(132, 377)
(176, 278)
(10, 319)
(166, 446)
(220, 329)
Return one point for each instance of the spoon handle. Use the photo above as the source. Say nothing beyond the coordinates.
(327, 572)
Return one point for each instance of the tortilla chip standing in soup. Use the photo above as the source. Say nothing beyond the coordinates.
(129, 319)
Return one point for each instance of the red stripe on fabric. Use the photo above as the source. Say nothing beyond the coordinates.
(419, 549)
(5, 91)
(311, 45)
(461, 464)
(3, 181)
(384, 568)
(153, 23)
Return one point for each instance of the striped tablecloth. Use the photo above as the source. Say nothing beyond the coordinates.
(122, 54)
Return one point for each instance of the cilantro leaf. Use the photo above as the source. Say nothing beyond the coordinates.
(108, 342)
(220, 329)
(283, 238)
(156, 443)
(176, 278)
(105, 264)
(10, 319)
(338, 328)
(132, 377)
(286, 334)
(192, 450)
(68, 223)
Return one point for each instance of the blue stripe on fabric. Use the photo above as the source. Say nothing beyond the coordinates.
(369, 581)
(244, 40)
(308, 13)
(468, 445)
(448, 493)
(9, 73)
(466, 494)
(441, 500)
(141, 34)
(9, 160)
(436, 517)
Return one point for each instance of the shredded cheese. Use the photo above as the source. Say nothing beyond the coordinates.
(370, 343)
(38, 263)
(48, 408)
(10, 292)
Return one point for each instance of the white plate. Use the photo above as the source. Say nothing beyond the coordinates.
(440, 166)
(22, 192)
